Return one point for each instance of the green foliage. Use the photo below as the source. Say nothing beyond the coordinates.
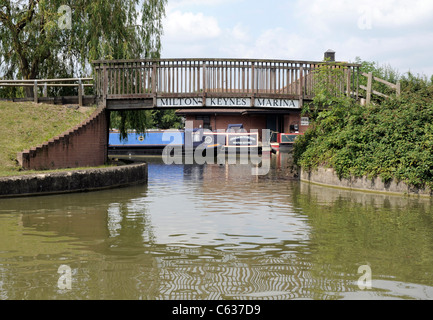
(34, 46)
(131, 120)
(329, 87)
(391, 140)
(144, 119)
(167, 119)
(385, 72)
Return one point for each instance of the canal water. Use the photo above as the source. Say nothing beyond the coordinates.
(216, 231)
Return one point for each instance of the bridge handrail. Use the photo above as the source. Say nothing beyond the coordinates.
(149, 78)
(102, 61)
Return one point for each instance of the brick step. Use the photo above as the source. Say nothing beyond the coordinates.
(68, 149)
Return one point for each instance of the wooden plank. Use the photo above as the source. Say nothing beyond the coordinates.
(389, 84)
(379, 94)
(200, 61)
(373, 92)
(31, 81)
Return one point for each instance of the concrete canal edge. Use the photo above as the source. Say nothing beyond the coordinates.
(73, 181)
(327, 177)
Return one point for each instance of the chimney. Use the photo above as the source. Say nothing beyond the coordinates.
(330, 55)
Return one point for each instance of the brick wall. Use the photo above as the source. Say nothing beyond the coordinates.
(220, 122)
(83, 146)
(294, 118)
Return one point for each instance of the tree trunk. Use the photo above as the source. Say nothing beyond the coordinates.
(29, 92)
(28, 75)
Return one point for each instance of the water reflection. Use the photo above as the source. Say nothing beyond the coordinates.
(216, 232)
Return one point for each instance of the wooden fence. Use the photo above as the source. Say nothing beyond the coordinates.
(369, 87)
(80, 83)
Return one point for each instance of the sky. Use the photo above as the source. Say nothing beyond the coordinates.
(395, 33)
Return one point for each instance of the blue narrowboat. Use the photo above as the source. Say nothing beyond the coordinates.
(154, 141)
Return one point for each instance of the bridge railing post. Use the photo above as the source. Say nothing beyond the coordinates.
(301, 81)
(105, 85)
(302, 85)
(204, 82)
(253, 81)
(154, 82)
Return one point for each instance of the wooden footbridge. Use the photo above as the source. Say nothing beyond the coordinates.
(195, 83)
(225, 83)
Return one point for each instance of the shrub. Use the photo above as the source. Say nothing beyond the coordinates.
(392, 139)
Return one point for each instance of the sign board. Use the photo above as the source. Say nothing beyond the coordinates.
(227, 102)
(277, 103)
(179, 102)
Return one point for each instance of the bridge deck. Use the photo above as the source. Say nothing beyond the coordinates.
(192, 83)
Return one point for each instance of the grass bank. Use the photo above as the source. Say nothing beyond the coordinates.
(24, 125)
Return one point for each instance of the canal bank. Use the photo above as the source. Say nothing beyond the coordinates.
(328, 177)
(73, 181)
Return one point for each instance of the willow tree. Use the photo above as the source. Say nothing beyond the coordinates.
(60, 38)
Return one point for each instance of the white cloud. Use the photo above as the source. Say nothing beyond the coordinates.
(241, 33)
(184, 3)
(395, 32)
(400, 14)
(400, 52)
(279, 43)
(188, 27)
(345, 15)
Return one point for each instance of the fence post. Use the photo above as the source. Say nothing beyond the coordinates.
(45, 90)
(35, 91)
(369, 86)
(80, 93)
(398, 89)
